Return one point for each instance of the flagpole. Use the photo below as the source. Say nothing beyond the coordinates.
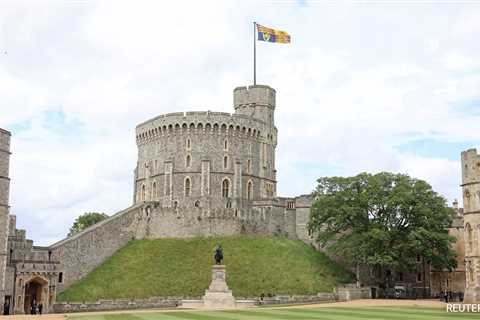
(254, 54)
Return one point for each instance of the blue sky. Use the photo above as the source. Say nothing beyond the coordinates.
(364, 86)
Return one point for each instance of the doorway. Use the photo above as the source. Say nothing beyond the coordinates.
(34, 294)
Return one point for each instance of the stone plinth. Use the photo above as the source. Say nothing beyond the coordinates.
(218, 296)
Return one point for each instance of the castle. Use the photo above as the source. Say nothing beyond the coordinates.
(197, 174)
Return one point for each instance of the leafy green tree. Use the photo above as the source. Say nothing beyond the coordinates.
(383, 221)
(86, 220)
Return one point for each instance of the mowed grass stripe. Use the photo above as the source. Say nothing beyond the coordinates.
(418, 312)
(281, 314)
(356, 313)
(151, 316)
(202, 315)
(391, 313)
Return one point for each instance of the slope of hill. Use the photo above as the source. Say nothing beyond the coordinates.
(182, 267)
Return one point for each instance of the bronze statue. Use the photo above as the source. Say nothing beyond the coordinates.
(218, 255)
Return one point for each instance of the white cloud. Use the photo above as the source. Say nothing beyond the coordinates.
(356, 82)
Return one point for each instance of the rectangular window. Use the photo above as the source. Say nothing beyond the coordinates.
(419, 277)
(290, 205)
(60, 277)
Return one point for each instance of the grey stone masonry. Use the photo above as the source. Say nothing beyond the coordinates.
(4, 208)
(210, 159)
(471, 202)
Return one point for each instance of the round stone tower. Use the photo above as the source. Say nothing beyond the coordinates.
(4, 207)
(210, 159)
(471, 202)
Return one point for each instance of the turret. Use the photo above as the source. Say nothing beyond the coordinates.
(471, 202)
(4, 207)
(256, 101)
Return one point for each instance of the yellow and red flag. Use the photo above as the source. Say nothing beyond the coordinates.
(272, 35)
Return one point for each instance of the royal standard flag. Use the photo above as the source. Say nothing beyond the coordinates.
(272, 35)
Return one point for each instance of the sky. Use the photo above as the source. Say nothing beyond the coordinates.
(364, 86)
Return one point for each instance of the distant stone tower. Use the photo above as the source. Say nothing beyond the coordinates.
(471, 203)
(4, 208)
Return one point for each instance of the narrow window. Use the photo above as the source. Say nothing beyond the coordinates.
(188, 144)
(167, 184)
(249, 190)
(225, 162)
(60, 277)
(225, 144)
(225, 188)
(142, 196)
(249, 166)
(188, 187)
(229, 204)
(188, 161)
(154, 190)
(419, 277)
(419, 258)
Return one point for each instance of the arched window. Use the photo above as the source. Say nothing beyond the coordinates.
(249, 190)
(225, 188)
(225, 162)
(249, 166)
(188, 144)
(188, 187)
(225, 144)
(188, 161)
(142, 196)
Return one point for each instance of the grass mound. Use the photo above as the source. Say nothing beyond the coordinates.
(182, 267)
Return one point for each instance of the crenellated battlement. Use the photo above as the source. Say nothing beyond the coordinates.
(199, 123)
(470, 166)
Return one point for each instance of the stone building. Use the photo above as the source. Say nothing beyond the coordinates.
(452, 280)
(471, 202)
(28, 274)
(4, 207)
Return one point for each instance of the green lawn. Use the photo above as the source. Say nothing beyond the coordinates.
(333, 313)
(182, 267)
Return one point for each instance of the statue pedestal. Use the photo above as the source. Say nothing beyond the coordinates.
(218, 296)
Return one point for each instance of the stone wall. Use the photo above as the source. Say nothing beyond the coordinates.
(351, 292)
(83, 252)
(293, 299)
(4, 207)
(156, 222)
(120, 304)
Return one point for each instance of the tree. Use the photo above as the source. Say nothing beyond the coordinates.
(86, 220)
(383, 221)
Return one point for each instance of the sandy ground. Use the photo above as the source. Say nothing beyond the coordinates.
(355, 303)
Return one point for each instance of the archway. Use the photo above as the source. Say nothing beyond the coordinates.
(35, 293)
